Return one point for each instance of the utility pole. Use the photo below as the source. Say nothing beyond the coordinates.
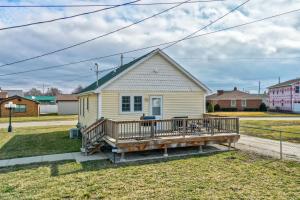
(43, 88)
(258, 87)
(279, 79)
(122, 57)
(97, 73)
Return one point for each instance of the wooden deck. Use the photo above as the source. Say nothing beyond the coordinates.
(142, 135)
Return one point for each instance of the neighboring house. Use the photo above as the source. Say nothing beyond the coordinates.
(11, 93)
(151, 85)
(47, 103)
(67, 104)
(236, 100)
(3, 95)
(25, 107)
(285, 96)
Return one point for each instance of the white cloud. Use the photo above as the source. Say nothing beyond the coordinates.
(273, 38)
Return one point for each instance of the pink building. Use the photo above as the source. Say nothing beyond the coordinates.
(285, 96)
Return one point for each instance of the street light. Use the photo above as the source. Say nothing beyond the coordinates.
(10, 105)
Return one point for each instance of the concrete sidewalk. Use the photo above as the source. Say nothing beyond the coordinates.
(269, 147)
(41, 123)
(77, 156)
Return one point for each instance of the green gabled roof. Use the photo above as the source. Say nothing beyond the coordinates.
(112, 74)
(41, 98)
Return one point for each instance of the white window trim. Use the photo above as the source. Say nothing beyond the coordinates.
(233, 105)
(131, 104)
(244, 100)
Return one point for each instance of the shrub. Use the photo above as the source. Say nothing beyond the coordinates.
(217, 108)
(251, 109)
(263, 107)
(210, 108)
(228, 109)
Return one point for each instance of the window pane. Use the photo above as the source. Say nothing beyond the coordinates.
(156, 106)
(156, 110)
(20, 108)
(125, 103)
(138, 103)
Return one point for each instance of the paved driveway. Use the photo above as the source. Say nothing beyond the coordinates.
(45, 123)
(269, 147)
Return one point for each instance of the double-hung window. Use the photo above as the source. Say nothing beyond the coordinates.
(233, 103)
(244, 103)
(131, 104)
(126, 104)
(297, 89)
(138, 103)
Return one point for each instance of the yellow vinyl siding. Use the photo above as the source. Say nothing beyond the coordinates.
(174, 104)
(90, 115)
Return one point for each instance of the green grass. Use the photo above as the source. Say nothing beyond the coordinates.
(32, 141)
(41, 118)
(284, 125)
(254, 114)
(230, 175)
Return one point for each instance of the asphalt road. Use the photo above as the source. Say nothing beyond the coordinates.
(269, 147)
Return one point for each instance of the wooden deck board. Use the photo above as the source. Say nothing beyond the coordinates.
(131, 145)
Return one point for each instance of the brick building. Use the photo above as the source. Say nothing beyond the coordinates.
(25, 107)
(236, 100)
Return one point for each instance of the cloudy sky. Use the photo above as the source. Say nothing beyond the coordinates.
(238, 57)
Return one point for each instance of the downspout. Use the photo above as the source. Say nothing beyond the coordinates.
(97, 106)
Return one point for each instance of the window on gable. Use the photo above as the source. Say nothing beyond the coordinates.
(125, 103)
(138, 103)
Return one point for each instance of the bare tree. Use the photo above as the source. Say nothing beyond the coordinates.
(33, 92)
(53, 92)
(77, 89)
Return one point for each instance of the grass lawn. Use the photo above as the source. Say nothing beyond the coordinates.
(41, 118)
(230, 175)
(286, 125)
(31, 141)
(254, 114)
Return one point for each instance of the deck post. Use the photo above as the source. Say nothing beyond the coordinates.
(237, 126)
(166, 152)
(184, 127)
(152, 129)
(229, 145)
(122, 157)
(200, 149)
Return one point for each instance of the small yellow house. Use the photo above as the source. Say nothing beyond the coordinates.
(152, 85)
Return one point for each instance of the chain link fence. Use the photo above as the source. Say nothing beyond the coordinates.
(282, 144)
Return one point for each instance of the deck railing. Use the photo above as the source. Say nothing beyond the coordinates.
(145, 129)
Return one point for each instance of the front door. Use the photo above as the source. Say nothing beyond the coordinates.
(156, 109)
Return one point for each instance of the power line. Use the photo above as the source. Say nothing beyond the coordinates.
(95, 38)
(152, 46)
(68, 17)
(100, 5)
(211, 23)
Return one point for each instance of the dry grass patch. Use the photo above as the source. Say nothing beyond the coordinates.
(230, 175)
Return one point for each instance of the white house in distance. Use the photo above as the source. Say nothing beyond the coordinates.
(151, 85)
(285, 96)
(67, 104)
